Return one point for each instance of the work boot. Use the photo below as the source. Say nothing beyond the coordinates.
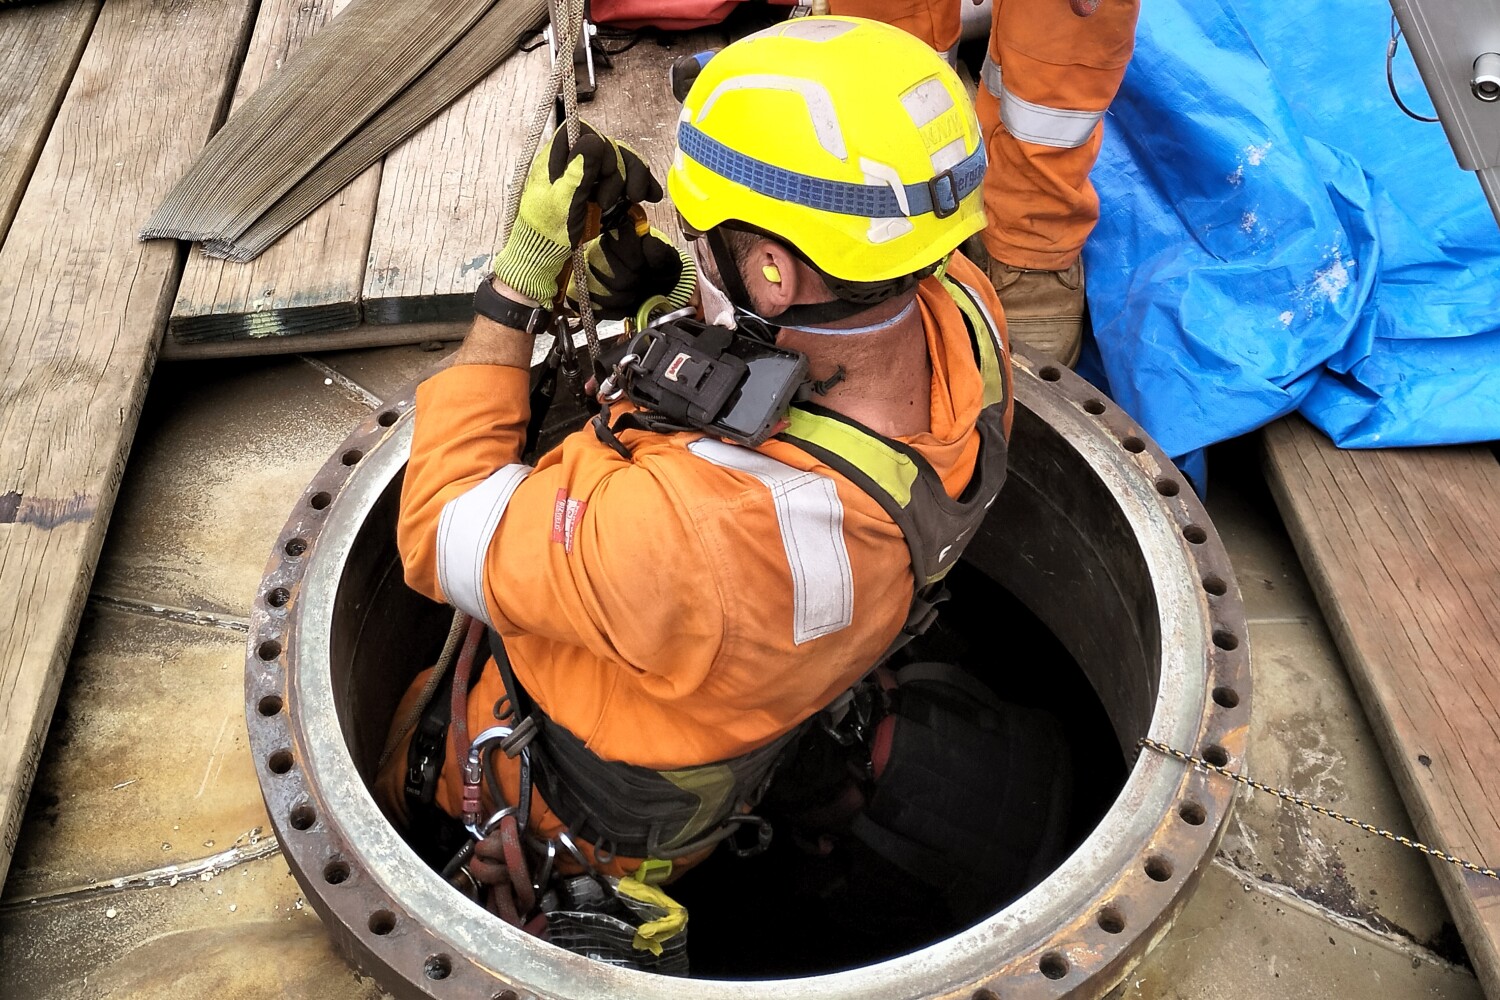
(1043, 309)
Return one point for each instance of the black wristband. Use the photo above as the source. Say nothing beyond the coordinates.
(489, 303)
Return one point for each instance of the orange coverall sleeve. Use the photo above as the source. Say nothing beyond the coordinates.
(590, 550)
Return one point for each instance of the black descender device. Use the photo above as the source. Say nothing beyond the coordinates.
(689, 375)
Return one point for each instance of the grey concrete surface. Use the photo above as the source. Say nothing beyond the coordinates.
(147, 762)
(1298, 906)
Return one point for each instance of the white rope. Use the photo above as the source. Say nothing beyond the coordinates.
(563, 79)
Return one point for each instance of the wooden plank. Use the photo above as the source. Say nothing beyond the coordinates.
(1403, 550)
(340, 78)
(82, 308)
(39, 48)
(309, 281)
(362, 336)
(442, 193)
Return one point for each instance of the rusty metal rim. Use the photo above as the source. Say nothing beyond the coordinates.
(1076, 934)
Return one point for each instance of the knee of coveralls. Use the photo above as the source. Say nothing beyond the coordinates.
(936, 22)
(1038, 199)
(390, 783)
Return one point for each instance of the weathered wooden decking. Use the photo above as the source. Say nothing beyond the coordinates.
(406, 242)
(97, 125)
(1403, 551)
(82, 306)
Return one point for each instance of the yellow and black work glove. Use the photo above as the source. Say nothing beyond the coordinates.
(560, 187)
(627, 267)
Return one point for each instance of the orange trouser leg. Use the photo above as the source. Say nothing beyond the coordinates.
(936, 22)
(1057, 73)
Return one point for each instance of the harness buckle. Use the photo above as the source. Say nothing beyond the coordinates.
(762, 835)
(521, 737)
(944, 183)
(924, 611)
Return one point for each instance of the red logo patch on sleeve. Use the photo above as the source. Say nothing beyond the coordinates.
(566, 513)
(559, 514)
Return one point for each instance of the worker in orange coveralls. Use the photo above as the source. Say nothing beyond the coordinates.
(1048, 78)
(674, 606)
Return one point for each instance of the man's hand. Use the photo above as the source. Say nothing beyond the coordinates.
(627, 267)
(560, 188)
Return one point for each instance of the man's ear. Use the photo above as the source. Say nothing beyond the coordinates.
(774, 277)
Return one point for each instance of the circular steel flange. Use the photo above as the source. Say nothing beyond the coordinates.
(1096, 531)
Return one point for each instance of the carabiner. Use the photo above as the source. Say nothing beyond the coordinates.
(481, 831)
(545, 872)
(611, 389)
(566, 840)
(474, 770)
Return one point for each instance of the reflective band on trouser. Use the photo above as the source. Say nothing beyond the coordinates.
(1036, 122)
(811, 518)
(941, 195)
(465, 528)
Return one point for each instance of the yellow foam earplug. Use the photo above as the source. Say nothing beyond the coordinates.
(772, 273)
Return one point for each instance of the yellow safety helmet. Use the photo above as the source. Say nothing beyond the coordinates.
(849, 139)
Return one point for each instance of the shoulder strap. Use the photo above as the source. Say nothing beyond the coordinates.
(884, 469)
(904, 484)
(984, 336)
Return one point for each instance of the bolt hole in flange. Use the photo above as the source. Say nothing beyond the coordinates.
(1070, 577)
(280, 762)
(1158, 868)
(1053, 965)
(1226, 697)
(303, 816)
(1111, 921)
(438, 967)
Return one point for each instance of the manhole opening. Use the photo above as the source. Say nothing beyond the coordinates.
(738, 906)
(1044, 615)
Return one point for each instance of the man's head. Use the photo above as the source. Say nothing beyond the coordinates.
(838, 155)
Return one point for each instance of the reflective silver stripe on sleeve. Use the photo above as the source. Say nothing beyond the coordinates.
(811, 518)
(1036, 122)
(465, 528)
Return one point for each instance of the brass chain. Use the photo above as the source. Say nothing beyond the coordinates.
(1289, 796)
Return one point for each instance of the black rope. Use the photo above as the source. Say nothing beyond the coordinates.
(1390, 78)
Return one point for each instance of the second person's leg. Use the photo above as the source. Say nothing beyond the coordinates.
(1048, 79)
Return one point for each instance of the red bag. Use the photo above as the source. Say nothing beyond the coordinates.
(673, 15)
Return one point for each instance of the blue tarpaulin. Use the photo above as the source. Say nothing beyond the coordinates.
(1277, 236)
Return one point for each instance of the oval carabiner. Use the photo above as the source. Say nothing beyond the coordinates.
(611, 389)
